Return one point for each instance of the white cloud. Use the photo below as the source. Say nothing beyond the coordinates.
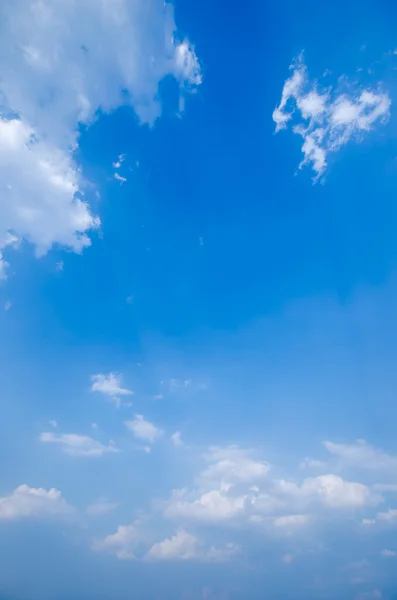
(233, 464)
(124, 543)
(31, 502)
(182, 546)
(214, 505)
(312, 463)
(144, 430)
(329, 490)
(110, 385)
(62, 62)
(77, 445)
(291, 521)
(388, 517)
(389, 553)
(363, 455)
(101, 507)
(326, 120)
(177, 439)
(185, 546)
(8, 304)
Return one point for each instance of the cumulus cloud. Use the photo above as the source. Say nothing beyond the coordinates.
(111, 386)
(144, 430)
(327, 119)
(215, 505)
(26, 501)
(61, 63)
(77, 445)
(233, 464)
(185, 546)
(125, 543)
(362, 455)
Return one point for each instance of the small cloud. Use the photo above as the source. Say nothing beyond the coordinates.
(59, 265)
(129, 299)
(119, 161)
(120, 178)
(389, 553)
(177, 439)
(7, 305)
(144, 430)
(176, 385)
(147, 449)
(158, 396)
(110, 385)
(77, 445)
(288, 558)
(201, 241)
(312, 463)
(94, 425)
(53, 423)
(327, 121)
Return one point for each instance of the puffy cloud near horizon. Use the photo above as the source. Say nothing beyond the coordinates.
(26, 501)
(327, 119)
(61, 63)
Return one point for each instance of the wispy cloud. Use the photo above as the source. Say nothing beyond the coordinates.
(143, 429)
(77, 445)
(327, 119)
(110, 385)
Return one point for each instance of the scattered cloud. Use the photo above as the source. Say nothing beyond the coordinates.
(214, 505)
(327, 119)
(144, 430)
(120, 178)
(388, 517)
(185, 546)
(362, 455)
(26, 501)
(125, 543)
(232, 464)
(53, 423)
(59, 265)
(111, 386)
(56, 73)
(101, 507)
(77, 445)
(312, 463)
(7, 305)
(388, 553)
(177, 439)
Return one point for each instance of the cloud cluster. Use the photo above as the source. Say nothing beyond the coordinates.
(235, 487)
(26, 501)
(61, 63)
(327, 119)
(133, 542)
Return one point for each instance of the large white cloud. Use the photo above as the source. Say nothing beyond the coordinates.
(326, 119)
(61, 61)
(26, 501)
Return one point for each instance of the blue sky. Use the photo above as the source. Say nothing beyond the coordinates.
(198, 290)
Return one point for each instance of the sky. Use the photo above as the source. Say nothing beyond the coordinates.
(198, 289)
